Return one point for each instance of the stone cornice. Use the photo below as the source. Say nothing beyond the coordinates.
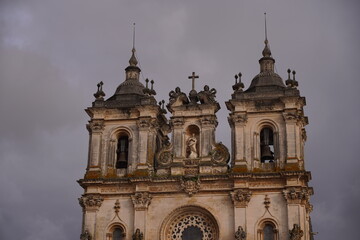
(230, 176)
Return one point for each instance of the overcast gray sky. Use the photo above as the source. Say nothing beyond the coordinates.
(52, 54)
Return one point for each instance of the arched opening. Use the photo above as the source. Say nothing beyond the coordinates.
(118, 234)
(267, 231)
(190, 223)
(122, 151)
(267, 145)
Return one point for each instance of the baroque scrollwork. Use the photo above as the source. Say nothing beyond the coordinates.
(165, 156)
(141, 200)
(220, 154)
(190, 186)
(295, 195)
(296, 233)
(90, 201)
(241, 197)
(240, 234)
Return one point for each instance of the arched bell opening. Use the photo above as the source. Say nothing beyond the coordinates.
(122, 151)
(267, 145)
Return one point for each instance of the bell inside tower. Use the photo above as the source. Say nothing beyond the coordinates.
(267, 145)
(122, 152)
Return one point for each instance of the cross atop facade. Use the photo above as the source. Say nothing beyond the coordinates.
(193, 77)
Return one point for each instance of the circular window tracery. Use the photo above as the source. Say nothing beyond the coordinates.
(185, 224)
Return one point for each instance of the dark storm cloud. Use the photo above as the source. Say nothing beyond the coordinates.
(52, 54)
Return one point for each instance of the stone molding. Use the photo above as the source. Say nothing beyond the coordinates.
(141, 200)
(241, 197)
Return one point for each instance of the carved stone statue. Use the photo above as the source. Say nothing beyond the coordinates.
(240, 234)
(85, 235)
(138, 235)
(207, 96)
(177, 98)
(296, 233)
(191, 143)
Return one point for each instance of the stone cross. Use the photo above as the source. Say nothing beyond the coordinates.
(193, 77)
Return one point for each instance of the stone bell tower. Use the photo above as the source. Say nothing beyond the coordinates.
(268, 135)
(148, 178)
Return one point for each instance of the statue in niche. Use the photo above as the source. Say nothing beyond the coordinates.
(296, 233)
(191, 144)
(138, 235)
(240, 234)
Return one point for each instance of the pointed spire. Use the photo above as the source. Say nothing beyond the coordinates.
(133, 61)
(266, 52)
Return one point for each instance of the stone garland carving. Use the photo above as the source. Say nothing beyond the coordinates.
(239, 119)
(141, 200)
(293, 195)
(85, 235)
(241, 197)
(91, 201)
(95, 126)
(240, 234)
(138, 235)
(220, 154)
(165, 156)
(296, 233)
(190, 186)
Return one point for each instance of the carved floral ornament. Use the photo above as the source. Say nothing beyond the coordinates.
(190, 186)
(85, 235)
(295, 195)
(239, 119)
(241, 197)
(141, 200)
(220, 154)
(240, 234)
(95, 125)
(91, 201)
(165, 156)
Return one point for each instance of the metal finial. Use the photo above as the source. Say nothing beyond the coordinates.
(147, 82)
(133, 35)
(293, 72)
(266, 41)
(236, 77)
(240, 75)
(289, 71)
(152, 84)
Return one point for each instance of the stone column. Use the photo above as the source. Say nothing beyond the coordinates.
(90, 205)
(95, 128)
(178, 124)
(141, 201)
(208, 125)
(238, 123)
(144, 128)
(240, 198)
(297, 199)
